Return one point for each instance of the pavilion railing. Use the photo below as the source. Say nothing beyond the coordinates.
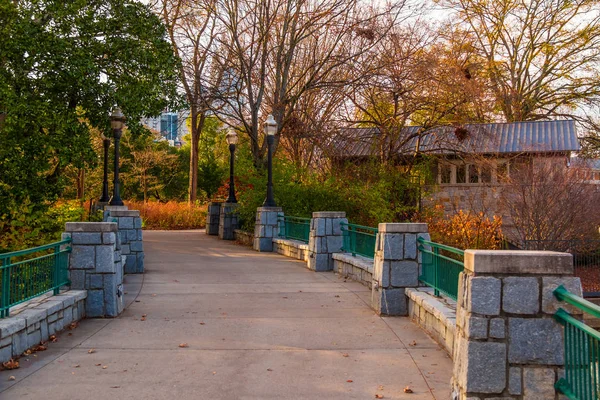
(296, 228)
(582, 349)
(359, 240)
(441, 267)
(30, 273)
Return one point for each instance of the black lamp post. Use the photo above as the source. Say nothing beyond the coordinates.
(270, 130)
(105, 197)
(232, 139)
(117, 121)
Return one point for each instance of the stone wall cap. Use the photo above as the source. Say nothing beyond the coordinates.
(91, 227)
(125, 213)
(518, 262)
(267, 209)
(402, 227)
(215, 203)
(225, 204)
(116, 208)
(329, 214)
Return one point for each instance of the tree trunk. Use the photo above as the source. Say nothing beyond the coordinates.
(197, 125)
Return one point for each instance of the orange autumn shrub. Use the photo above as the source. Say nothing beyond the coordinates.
(464, 229)
(170, 216)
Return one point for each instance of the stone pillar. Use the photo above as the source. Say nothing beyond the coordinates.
(325, 238)
(266, 227)
(228, 221)
(130, 233)
(507, 344)
(213, 218)
(95, 265)
(396, 266)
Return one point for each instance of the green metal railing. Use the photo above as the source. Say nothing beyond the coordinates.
(441, 266)
(29, 273)
(582, 350)
(296, 228)
(359, 240)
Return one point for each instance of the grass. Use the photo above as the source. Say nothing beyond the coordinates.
(170, 216)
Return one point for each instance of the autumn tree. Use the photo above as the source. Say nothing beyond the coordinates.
(541, 56)
(194, 30)
(417, 77)
(277, 51)
(545, 200)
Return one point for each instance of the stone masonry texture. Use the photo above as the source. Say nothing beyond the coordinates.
(266, 227)
(396, 266)
(228, 221)
(97, 267)
(38, 321)
(325, 239)
(507, 344)
(213, 216)
(130, 234)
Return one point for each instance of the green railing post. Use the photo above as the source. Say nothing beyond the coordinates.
(352, 232)
(5, 298)
(436, 266)
(56, 273)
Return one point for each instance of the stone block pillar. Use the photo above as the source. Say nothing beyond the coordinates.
(130, 233)
(228, 221)
(213, 218)
(266, 227)
(95, 265)
(396, 266)
(507, 344)
(325, 238)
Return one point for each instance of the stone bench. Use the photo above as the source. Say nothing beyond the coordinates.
(436, 315)
(37, 320)
(291, 248)
(357, 268)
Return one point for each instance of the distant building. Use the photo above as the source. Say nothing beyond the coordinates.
(172, 126)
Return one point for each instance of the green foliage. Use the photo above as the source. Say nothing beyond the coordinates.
(369, 196)
(32, 226)
(213, 165)
(63, 67)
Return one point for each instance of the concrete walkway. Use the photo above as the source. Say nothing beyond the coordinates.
(225, 322)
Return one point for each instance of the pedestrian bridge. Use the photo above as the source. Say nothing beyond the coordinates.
(210, 319)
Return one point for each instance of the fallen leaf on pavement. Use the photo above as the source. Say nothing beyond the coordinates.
(379, 396)
(408, 390)
(143, 319)
(53, 338)
(104, 367)
(115, 387)
(144, 315)
(345, 355)
(182, 345)
(380, 387)
(27, 352)
(269, 369)
(11, 364)
(337, 295)
(349, 380)
(11, 378)
(40, 347)
(73, 325)
(97, 365)
(90, 351)
(76, 366)
(201, 323)
(413, 343)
